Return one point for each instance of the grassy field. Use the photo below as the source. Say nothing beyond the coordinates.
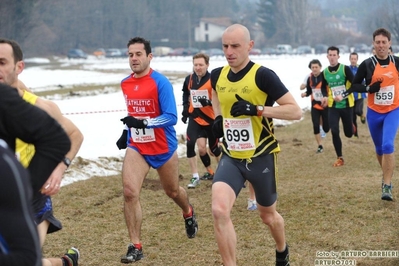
(325, 209)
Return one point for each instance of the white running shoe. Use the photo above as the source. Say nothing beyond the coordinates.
(322, 133)
(252, 205)
(193, 182)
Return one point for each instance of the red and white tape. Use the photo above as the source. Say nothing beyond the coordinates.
(99, 112)
(94, 112)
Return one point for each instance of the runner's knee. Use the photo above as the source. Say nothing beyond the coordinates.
(130, 194)
(219, 211)
(190, 149)
(172, 193)
(387, 148)
(271, 218)
(216, 151)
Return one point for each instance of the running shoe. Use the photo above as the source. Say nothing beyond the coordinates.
(363, 119)
(207, 176)
(387, 193)
(191, 225)
(71, 257)
(133, 254)
(283, 258)
(382, 183)
(320, 149)
(193, 182)
(322, 133)
(252, 205)
(339, 162)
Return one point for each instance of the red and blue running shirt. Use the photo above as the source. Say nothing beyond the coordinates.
(151, 97)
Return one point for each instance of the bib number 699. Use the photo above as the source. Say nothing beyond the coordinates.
(237, 135)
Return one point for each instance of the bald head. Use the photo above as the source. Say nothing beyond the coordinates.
(239, 29)
(237, 43)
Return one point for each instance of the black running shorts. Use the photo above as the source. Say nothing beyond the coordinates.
(261, 172)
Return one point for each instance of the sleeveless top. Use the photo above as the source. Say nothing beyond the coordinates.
(337, 84)
(24, 151)
(204, 116)
(244, 136)
(387, 99)
(316, 96)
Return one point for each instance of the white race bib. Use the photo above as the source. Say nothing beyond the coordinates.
(239, 134)
(317, 95)
(197, 94)
(338, 90)
(385, 95)
(142, 135)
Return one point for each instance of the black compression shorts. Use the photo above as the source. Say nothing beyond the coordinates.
(261, 172)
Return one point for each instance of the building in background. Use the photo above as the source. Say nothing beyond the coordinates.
(211, 29)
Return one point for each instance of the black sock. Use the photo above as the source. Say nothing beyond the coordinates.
(283, 254)
(206, 160)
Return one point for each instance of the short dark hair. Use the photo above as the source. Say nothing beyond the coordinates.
(383, 32)
(202, 55)
(314, 61)
(354, 53)
(16, 49)
(333, 48)
(147, 44)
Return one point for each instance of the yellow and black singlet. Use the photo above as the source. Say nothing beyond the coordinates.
(247, 136)
(24, 151)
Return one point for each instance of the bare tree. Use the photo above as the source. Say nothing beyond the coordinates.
(16, 18)
(393, 18)
(293, 15)
(45, 27)
(267, 11)
(284, 20)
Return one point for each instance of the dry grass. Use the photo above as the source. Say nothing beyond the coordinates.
(325, 209)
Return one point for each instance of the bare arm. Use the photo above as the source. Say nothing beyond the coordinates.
(215, 103)
(22, 86)
(75, 136)
(70, 128)
(303, 84)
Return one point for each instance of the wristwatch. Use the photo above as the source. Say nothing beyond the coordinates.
(66, 161)
(259, 109)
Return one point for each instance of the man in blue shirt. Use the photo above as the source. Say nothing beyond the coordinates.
(359, 96)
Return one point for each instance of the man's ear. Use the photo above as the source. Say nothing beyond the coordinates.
(251, 44)
(19, 67)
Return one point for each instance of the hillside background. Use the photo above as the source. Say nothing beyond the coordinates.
(52, 27)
